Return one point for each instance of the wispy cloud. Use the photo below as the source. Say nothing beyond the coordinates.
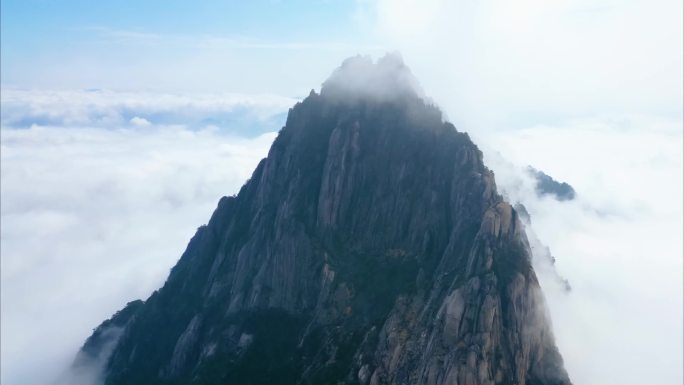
(202, 40)
(217, 41)
(122, 35)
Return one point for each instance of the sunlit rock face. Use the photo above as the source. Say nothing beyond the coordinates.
(369, 247)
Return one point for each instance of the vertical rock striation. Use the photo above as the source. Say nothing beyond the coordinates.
(369, 247)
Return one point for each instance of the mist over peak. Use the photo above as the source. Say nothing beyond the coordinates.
(371, 230)
(360, 77)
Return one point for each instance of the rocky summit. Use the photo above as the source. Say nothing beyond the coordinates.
(369, 247)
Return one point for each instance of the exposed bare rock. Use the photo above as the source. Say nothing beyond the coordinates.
(370, 247)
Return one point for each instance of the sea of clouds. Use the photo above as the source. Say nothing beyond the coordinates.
(95, 214)
(618, 243)
(238, 114)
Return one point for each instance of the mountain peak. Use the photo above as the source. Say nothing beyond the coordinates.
(370, 247)
(360, 77)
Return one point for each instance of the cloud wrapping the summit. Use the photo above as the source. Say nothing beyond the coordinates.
(500, 64)
(360, 76)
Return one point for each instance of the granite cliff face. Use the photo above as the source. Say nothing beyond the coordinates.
(369, 247)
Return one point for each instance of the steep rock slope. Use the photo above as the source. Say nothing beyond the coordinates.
(369, 247)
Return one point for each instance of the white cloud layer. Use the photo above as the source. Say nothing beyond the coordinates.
(236, 113)
(619, 243)
(501, 64)
(93, 218)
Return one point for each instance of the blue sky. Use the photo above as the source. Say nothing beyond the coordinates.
(124, 44)
(42, 23)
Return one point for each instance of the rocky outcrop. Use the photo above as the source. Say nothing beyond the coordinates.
(369, 247)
